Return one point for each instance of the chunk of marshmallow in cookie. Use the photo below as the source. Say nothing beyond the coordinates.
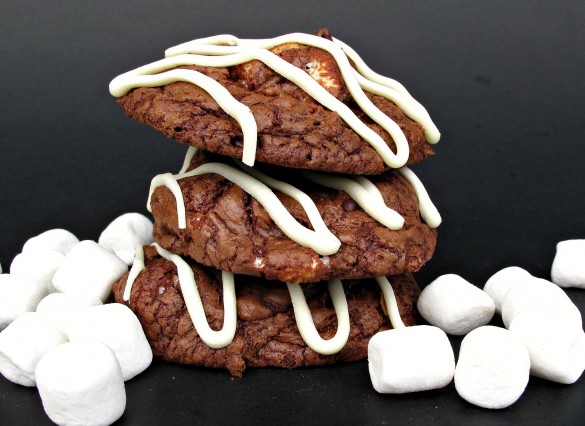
(124, 232)
(89, 269)
(556, 344)
(455, 305)
(538, 295)
(115, 325)
(23, 343)
(493, 368)
(410, 359)
(59, 240)
(61, 309)
(568, 268)
(80, 383)
(38, 264)
(498, 285)
(18, 295)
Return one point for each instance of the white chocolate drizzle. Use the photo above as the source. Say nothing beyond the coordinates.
(363, 192)
(305, 322)
(239, 51)
(321, 240)
(428, 211)
(188, 285)
(391, 303)
(137, 267)
(191, 151)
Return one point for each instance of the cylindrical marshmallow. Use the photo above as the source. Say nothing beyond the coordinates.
(124, 233)
(568, 267)
(410, 359)
(556, 345)
(115, 325)
(89, 269)
(455, 305)
(23, 343)
(38, 264)
(80, 383)
(493, 368)
(54, 239)
(18, 294)
(540, 295)
(498, 285)
(62, 309)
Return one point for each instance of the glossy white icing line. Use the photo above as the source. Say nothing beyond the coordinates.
(422, 116)
(326, 99)
(212, 338)
(303, 199)
(191, 151)
(306, 325)
(139, 77)
(137, 267)
(170, 181)
(390, 301)
(321, 240)
(428, 211)
(363, 192)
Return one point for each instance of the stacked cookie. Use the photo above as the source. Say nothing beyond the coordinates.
(289, 236)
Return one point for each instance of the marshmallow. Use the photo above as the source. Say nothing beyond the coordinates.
(493, 368)
(501, 282)
(410, 359)
(80, 383)
(38, 264)
(18, 294)
(115, 325)
(54, 239)
(89, 269)
(124, 233)
(23, 343)
(568, 268)
(455, 305)
(556, 344)
(61, 309)
(539, 295)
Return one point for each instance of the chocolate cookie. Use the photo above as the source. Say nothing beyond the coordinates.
(267, 333)
(228, 229)
(293, 129)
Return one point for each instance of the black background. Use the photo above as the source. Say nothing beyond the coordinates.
(502, 80)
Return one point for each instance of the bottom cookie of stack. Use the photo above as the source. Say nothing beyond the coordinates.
(264, 328)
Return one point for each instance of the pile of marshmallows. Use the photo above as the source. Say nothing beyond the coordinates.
(57, 333)
(543, 335)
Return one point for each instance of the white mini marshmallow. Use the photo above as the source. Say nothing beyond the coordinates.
(501, 282)
(556, 345)
(568, 268)
(410, 359)
(23, 343)
(125, 232)
(62, 309)
(55, 239)
(39, 265)
(455, 305)
(493, 368)
(539, 295)
(89, 269)
(18, 294)
(80, 383)
(115, 325)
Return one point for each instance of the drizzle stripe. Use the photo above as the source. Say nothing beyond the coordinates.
(306, 325)
(428, 211)
(212, 338)
(390, 300)
(137, 267)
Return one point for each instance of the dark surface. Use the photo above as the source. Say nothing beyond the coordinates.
(502, 80)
